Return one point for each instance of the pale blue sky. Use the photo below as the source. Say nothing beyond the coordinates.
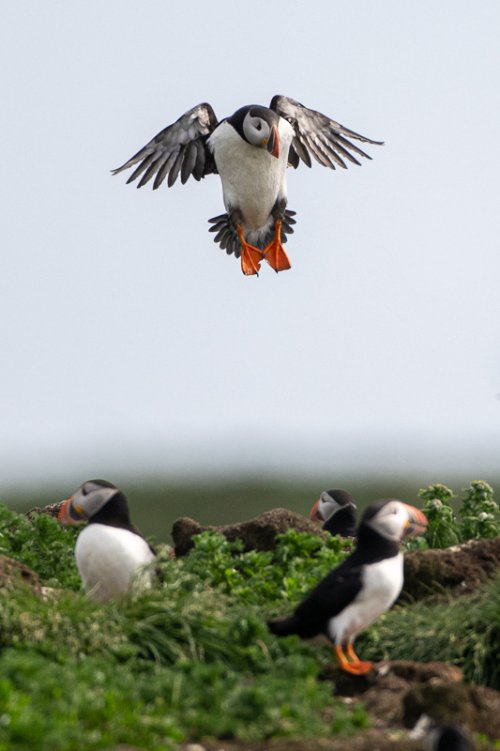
(130, 342)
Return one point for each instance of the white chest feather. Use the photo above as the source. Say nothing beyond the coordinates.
(252, 178)
(109, 560)
(382, 583)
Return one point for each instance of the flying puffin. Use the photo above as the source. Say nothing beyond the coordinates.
(250, 150)
(337, 510)
(363, 587)
(110, 551)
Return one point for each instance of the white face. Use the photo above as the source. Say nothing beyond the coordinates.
(392, 521)
(256, 130)
(91, 497)
(327, 506)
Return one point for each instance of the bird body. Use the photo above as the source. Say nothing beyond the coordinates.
(363, 587)
(111, 555)
(242, 167)
(380, 585)
(250, 150)
(110, 560)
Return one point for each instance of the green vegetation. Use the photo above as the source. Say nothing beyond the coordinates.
(193, 658)
(478, 515)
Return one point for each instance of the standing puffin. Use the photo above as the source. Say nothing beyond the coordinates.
(250, 150)
(363, 587)
(337, 510)
(110, 551)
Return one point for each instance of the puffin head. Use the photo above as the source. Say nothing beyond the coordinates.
(329, 502)
(393, 520)
(88, 500)
(258, 126)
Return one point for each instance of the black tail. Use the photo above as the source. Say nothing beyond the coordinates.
(284, 626)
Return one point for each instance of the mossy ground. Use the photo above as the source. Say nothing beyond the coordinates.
(192, 658)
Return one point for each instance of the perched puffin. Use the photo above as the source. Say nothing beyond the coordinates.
(363, 587)
(337, 510)
(250, 150)
(110, 551)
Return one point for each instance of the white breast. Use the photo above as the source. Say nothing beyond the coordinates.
(109, 560)
(382, 583)
(252, 178)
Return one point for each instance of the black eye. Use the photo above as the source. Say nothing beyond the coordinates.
(259, 125)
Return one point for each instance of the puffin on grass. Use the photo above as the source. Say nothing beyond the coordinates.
(337, 510)
(250, 150)
(363, 587)
(109, 552)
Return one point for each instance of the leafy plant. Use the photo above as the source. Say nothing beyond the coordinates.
(442, 531)
(479, 512)
(284, 574)
(478, 515)
(42, 544)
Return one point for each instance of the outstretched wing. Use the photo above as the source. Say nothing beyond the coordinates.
(181, 147)
(316, 134)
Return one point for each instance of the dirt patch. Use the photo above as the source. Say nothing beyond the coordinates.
(462, 568)
(13, 573)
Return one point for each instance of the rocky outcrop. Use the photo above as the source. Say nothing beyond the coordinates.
(462, 568)
(256, 534)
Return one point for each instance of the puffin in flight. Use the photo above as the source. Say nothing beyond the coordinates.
(363, 587)
(109, 552)
(337, 510)
(250, 150)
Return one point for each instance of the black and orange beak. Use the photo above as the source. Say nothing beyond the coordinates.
(273, 143)
(314, 513)
(69, 513)
(417, 521)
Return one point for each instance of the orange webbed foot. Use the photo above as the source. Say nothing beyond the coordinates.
(354, 665)
(251, 257)
(274, 253)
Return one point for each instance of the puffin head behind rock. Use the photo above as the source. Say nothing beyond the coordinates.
(337, 510)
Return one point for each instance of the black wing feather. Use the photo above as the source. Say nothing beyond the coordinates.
(337, 590)
(181, 147)
(318, 135)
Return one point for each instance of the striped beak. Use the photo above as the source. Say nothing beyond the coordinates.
(417, 521)
(314, 512)
(69, 513)
(273, 143)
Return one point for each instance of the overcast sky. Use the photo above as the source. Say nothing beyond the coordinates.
(130, 341)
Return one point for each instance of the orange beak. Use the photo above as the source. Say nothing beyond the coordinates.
(417, 522)
(313, 513)
(273, 144)
(68, 514)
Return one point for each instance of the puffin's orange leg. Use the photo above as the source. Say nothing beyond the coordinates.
(251, 257)
(356, 667)
(362, 667)
(274, 253)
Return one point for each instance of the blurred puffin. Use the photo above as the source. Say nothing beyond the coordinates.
(363, 587)
(250, 150)
(337, 510)
(440, 737)
(110, 551)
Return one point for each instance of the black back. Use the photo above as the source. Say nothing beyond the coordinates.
(115, 513)
(342, 522)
